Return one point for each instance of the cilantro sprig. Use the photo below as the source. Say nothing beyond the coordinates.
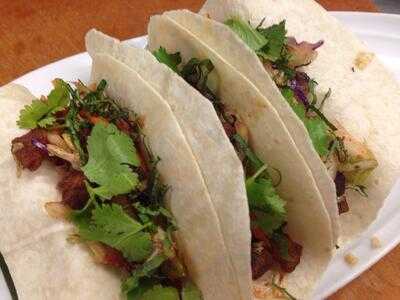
(267, 206)
(196, 72)
(268, 43)
(110, 225)
(111, 153)
(170, 60)
(264, 202)
(317, 128)
(40, 113)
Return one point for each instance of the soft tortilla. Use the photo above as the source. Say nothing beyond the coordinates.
(44, 266)
(41, 262)
(308, 220)
(205, 135)
(199, 229)
(227, 44)
(366, 102)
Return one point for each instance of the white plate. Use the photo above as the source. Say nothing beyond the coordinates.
(380, 32)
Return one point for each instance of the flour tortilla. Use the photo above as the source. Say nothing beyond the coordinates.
(44, 266)
(308, 220)
(205, 135)
(227, 44)
(366, 102)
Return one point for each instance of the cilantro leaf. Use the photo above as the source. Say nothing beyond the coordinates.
(265, 202)
(144, 271)
(154, 292)
(190, 292)
(316, 127)
(159, 292)
(171, 60)
(250, 155)
(110, 154)
(40, 113)
(253, 38)
(110, 225)
(276, 36)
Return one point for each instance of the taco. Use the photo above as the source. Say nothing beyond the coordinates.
(291, 231)
(325, 85)
(273, 248)
(105, 168)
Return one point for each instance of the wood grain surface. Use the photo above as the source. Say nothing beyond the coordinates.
(37, 32)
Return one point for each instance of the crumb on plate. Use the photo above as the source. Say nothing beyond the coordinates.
(351, 259)
(375, 242)
(363, 59)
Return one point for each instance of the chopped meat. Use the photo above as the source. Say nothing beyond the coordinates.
(58, 162)
(84, 134)
(258, 234)
(343, 206)
(61, 114)
(144, 157)
(301, 54)
(124, 126)
(28, 155)
(294, 251)
(229, 129)
(261, 259)
(126, 204)
(340, 183)
(73, 189)
(115, 259)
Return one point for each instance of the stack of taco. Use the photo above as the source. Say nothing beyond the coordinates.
(228, 160)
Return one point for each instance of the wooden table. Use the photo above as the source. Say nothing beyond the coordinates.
(37, 32)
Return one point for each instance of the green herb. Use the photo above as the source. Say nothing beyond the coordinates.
(264, 202)
(316, 127)
(146, 270)
(250, 155)
(276, 36)
(326, 96)
(361, 189)
(145, 213)
(110, 225)
(268, 43)
(157, 189)
(73, 123)
(196, 72)
(41, 113)
(154, 292)
(171, 60)
(97, 103)
(111, 153)
(252, 37)
(190, 292)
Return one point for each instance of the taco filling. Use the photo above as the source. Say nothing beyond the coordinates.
(348, 160)
(111, 190)
(272, 249)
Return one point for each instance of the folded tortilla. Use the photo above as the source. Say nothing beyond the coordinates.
(229, 46)
(308, 220)
(364, 100)
(206, 137)
(44, 265)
